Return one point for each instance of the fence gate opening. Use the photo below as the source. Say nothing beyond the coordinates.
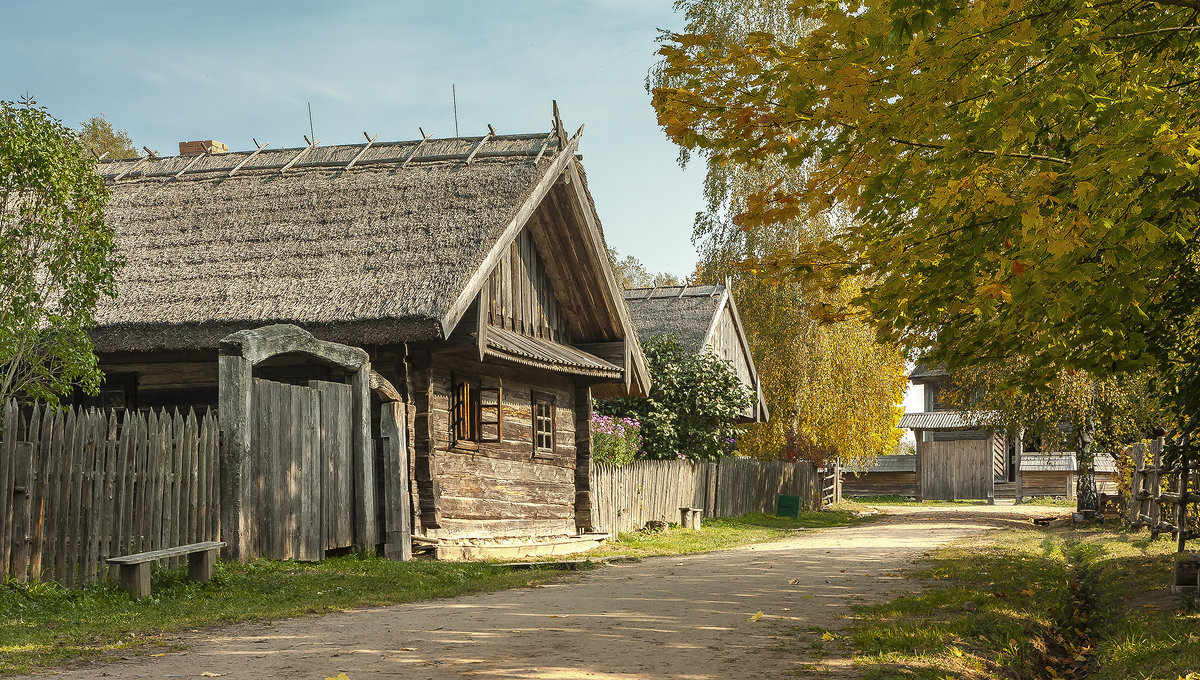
(302, 444)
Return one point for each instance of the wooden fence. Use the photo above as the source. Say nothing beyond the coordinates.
(1152, 491)
(626, 498)
(78, 486)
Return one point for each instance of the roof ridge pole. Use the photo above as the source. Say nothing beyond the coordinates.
(370, 141)
(479, 145)
(558, 127)
(297, 157)
(247, 158)
(188, 166)
(413, 153)
(131, 168)
(683, 289)
(541, 151)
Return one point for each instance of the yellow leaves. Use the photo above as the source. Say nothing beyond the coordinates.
(827, 636)
(756, 616)
(1028, 592)
(339, 676)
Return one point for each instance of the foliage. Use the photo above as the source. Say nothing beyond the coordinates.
(694, 402)
(1023, 176)
(631, 273)
(615, 441)
(831, 389)
(44, 625)
(56, 253)
(99, 137)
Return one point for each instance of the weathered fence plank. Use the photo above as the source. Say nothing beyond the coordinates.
(78, 487)
(626, 498)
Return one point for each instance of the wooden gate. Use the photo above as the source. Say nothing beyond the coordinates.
(954, 469)
(302, 486)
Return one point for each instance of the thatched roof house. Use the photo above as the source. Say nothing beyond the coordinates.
(702, 319)
(468, 269)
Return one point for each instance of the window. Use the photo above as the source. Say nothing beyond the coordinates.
(475, 411)
(543, 424)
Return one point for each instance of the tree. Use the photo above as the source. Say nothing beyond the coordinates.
(1023, 176)
(834, 392)
(693, 405)
(631, 273)
(56, 253)
(99, 137)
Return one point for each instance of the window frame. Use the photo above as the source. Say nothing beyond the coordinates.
(467, 411)
(537, 399)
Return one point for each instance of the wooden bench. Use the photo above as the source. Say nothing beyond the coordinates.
(689, 518)
(135, 569)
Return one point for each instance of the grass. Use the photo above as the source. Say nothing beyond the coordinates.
(44, 625)
(1043, 604)
(721, 533)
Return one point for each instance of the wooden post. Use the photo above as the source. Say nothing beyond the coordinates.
(366, 534)
(136, 579)
(200, 566)
(1019, 496)
(236, 463)
(583, 459)
(397, 538)
(1181, 525)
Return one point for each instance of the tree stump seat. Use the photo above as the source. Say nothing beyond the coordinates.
(135, 569)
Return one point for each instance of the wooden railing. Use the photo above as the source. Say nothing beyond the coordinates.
(1154, 488)
(626, 498)
(78, 486)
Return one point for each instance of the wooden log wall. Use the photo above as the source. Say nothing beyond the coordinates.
(78, 486)
(879, 483)
(624, 499)
(495, 489)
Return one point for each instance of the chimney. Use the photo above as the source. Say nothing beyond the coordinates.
(202, 146)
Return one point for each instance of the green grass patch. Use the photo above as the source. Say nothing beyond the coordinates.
(45, 625)
(723, 532)
(1018, 603)
(1051, 501)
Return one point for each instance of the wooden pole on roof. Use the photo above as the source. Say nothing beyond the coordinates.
(247, 158)
(370, 141)
(541, 151)
(479, 145)
(311, 145)
(413, 153)
(558, 127)
(131, 168)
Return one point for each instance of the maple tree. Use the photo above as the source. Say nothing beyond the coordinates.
(1023, 176)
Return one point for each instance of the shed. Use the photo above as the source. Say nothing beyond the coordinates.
(1053, 473)
(472, 271)
(702, 319)
(893, 474)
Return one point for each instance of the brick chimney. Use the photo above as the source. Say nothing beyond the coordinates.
(202, 146)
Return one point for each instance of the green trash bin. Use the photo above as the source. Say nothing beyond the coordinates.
(788, 506)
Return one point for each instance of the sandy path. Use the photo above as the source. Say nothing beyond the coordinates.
(675, 617)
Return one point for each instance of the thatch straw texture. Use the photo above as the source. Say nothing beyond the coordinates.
(685, 312)
(374, 254)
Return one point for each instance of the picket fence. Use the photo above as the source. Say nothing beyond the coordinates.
(78, 486)
(626, 498)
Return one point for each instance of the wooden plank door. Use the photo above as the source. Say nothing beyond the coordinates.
(287, 445)
(336, 485)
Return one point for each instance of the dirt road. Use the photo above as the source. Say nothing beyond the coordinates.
(685, 618)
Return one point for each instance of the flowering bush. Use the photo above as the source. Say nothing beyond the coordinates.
(615, 440)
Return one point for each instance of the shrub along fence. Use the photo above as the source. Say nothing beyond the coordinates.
(78, 486)
(626, 498)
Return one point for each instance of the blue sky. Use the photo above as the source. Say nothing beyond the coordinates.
(172, 71)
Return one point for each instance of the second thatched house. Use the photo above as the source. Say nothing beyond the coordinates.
(702, 319)
(472, 271)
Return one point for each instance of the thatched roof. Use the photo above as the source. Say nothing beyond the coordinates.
(379, 251)
(687, 312)
(692, 315)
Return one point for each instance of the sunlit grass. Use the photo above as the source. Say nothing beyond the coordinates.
(44, 625)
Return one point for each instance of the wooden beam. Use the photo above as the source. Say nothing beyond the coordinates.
(188, 166)
(478, 146)
(545, 144)
(424, 138)
(370, 141)
(131, 168)
(297, 157)
(247, 158)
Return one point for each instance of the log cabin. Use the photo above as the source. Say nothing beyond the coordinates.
(702, 319)
(472, 271)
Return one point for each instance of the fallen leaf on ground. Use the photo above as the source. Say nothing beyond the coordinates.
(756, 616)
(828, 636)
(210, 674)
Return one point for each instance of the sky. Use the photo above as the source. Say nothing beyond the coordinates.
(169, 71)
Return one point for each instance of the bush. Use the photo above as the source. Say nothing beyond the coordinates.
(615, 440)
